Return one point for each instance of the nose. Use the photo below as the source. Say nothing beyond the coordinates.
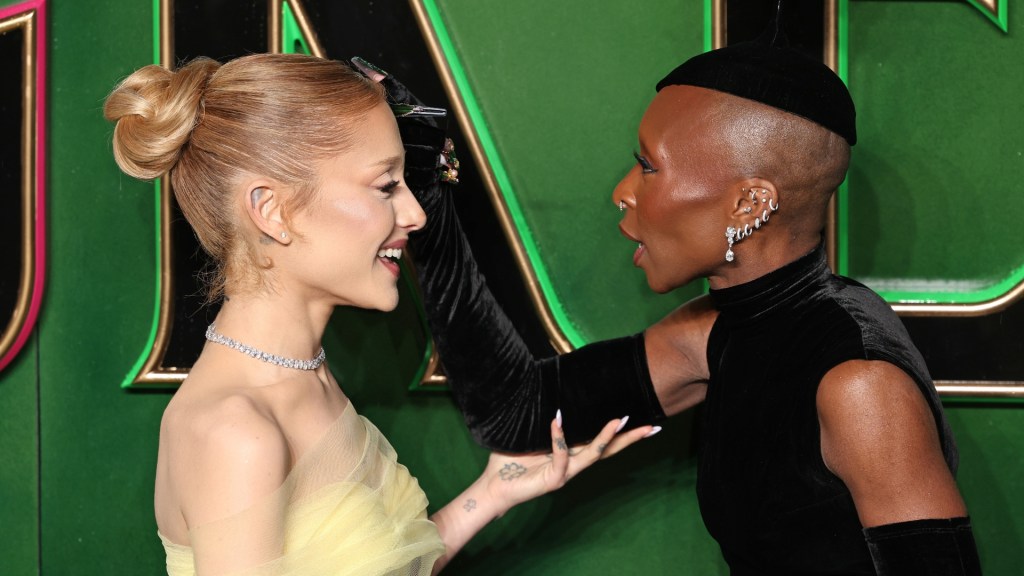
(408, 212)
(623, 196)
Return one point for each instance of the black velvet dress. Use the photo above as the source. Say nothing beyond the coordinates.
(764, 491)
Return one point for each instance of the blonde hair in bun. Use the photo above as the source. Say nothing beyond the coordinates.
(155, 110)
(211, 126)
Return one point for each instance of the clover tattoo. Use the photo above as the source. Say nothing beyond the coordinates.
(511, 471)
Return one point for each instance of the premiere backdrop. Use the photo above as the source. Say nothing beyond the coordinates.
(546, 97)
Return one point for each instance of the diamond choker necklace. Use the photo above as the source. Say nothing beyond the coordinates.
(213, 336)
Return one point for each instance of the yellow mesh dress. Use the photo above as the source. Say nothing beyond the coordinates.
(347, 508)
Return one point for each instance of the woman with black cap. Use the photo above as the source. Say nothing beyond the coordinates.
(824, 448)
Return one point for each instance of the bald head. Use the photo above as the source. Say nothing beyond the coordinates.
(745, 139)
(799, 156)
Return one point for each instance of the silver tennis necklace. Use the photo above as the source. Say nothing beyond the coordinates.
(213, 336)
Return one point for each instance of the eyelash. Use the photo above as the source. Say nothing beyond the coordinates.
(644, 163)
(389, 188)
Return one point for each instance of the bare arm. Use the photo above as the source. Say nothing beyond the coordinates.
(512, 479)
(677, 355)
(880, 438)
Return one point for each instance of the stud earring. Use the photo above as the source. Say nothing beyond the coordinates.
(748, 210)
(284, 235)
(622, 205)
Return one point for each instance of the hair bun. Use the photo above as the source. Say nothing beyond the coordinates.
(156, 110)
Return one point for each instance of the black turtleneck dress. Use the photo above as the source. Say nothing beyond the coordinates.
(764, 491)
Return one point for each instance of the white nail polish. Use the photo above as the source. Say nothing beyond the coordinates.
(653, 431)
(558, 417)
(622, 424)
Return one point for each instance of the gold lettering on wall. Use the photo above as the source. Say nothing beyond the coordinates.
(22, 35)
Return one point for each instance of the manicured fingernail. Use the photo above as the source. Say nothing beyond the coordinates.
(622, 424)
(558, 417)
(653, 431)
(369, 68)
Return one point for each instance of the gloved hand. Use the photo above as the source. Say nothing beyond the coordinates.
(429, 155)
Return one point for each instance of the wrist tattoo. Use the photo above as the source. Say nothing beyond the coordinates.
(560, 442)
(511, 471)
(470, 505)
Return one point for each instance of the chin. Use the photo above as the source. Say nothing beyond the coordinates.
(661, 285)
(656, 285)
(389, 303)
(388, 307)
(660, 288)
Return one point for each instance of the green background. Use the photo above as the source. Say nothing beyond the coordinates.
(564, 85)
(934, 187)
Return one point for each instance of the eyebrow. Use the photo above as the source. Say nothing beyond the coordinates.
(389, 161)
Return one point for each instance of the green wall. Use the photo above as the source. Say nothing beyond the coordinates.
(934, 182)
(79, 452)
(19, 467)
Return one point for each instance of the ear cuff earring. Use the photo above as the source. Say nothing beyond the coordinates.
(734, 235)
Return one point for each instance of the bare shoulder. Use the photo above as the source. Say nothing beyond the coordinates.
(879, 436)
(677, 354)
(864, 393)
(224, 454)
(870, 401)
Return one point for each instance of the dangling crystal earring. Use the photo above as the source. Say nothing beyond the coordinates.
(734, 235)
(730, 235)
(622, 205)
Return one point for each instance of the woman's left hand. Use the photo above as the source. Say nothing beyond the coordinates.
(512, 479)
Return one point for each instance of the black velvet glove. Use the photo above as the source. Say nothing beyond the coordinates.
(941, 547)
(507, 396)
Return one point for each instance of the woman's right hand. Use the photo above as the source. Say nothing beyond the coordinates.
(512, 479)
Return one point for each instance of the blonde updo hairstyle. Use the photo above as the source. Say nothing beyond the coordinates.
(213, 126)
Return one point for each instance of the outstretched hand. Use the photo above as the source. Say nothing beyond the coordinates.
(515, 478)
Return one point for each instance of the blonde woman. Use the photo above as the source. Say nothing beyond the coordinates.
(290, 170)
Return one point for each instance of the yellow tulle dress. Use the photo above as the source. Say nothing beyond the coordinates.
(347, 508)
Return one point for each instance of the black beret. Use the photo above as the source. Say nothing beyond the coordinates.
(769, 71)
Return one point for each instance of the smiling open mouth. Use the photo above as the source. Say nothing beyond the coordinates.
(393, 254)
(390, 257)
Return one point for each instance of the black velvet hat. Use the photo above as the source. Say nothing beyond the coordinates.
(769, 71)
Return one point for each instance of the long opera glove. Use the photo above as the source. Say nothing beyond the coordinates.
(507, 396)
(933, 547)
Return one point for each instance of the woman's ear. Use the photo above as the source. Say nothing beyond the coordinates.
(264, 207)
(755, 200)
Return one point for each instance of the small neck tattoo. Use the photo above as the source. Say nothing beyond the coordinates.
(313, 364)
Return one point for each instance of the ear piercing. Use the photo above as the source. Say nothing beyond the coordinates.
(284, 235)
(730, 236)
(734, 235)
(622, 205)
